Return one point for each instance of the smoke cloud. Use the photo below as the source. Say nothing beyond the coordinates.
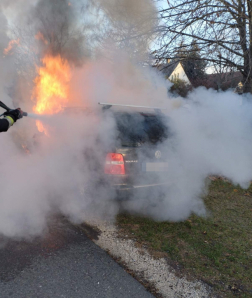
(131, 24)
(211, 135)
(62, 172)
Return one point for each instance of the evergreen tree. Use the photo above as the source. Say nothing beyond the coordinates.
(181, 53)
(193, 65)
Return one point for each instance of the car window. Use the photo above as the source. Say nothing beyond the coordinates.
(141, 128)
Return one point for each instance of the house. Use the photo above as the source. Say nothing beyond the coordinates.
(174, 70)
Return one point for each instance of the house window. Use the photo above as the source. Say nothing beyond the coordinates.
(172, 77)
(177, 75)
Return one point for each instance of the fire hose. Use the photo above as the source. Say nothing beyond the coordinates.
(2, 105)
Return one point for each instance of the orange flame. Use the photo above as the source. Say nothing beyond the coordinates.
(11, 45)
(41, 128)
(52, 85)
(51, 90)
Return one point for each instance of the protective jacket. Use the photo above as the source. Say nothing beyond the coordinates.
(10, 117)
(4, 125)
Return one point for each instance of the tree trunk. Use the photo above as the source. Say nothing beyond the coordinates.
(247, 84)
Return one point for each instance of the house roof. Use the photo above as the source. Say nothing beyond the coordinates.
(168, 68)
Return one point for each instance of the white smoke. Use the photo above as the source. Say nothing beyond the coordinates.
(55, 176)
(211, 136)
(42, 175)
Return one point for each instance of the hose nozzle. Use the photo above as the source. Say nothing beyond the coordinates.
(2, 105)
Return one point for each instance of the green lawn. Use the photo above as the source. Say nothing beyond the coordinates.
(217, 249)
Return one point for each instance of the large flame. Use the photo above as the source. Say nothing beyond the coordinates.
(52, 85)
(51, 91)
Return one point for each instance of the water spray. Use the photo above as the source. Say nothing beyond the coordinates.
(38, 116)
(2, 105)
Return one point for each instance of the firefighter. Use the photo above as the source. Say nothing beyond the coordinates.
(9, 119)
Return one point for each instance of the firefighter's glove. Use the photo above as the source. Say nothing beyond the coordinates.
(14, 114)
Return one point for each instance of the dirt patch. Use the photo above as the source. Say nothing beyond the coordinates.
(91, 231)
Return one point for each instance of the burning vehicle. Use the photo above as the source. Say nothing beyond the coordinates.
(136, 161)
(133, 162)
(58, 74)
(130, 160)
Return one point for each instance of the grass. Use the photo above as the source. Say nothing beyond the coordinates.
(217, 249)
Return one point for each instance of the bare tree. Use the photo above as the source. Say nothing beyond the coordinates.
(128, 25)
(222, 29)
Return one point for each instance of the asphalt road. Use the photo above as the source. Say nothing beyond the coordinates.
(64, 263)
